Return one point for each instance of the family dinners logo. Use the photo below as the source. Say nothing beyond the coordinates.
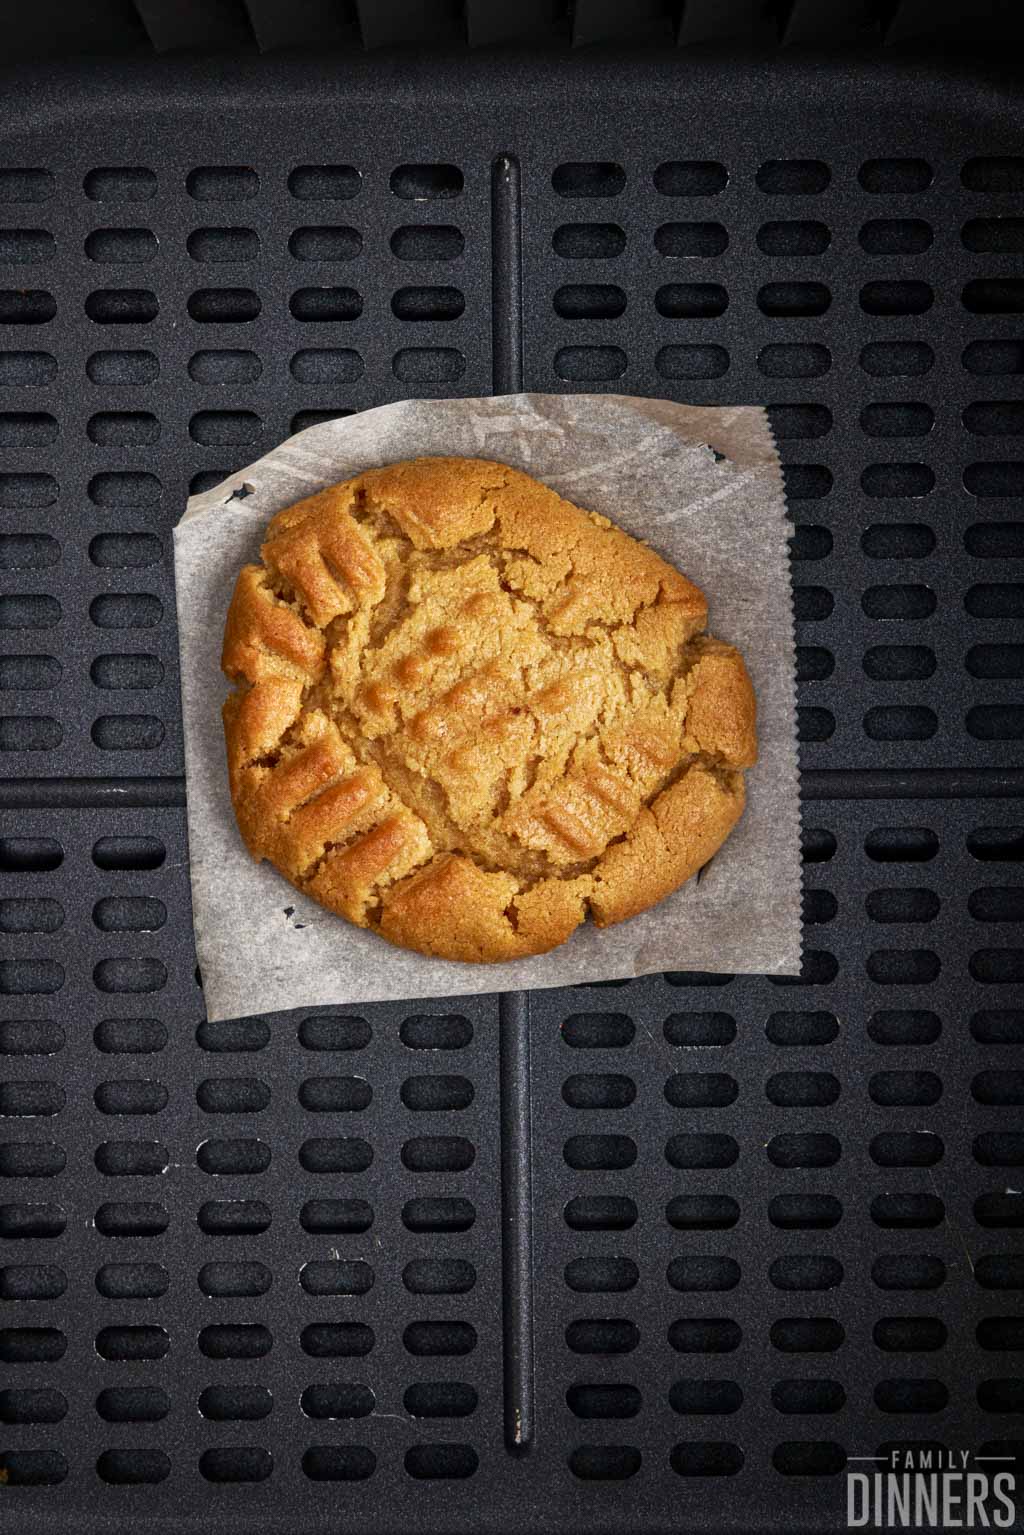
(931, 1488)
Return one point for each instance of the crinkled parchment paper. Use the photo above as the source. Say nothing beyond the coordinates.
(703, 486)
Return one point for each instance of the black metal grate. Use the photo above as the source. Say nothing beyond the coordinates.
(772, 1221)
(799, 1187)
(195, 318)
(281, 296)
(252, 1272)
(844, 294)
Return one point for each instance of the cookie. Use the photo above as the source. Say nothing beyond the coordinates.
(468, 713)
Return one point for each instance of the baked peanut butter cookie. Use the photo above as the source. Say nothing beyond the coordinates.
(468, 713)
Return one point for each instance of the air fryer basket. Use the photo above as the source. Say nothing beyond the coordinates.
(648, 1256)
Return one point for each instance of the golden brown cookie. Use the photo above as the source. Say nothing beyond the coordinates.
(468, 712)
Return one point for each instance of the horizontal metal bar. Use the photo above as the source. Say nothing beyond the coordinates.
(912, 783)
(815, 784)
(92, 793)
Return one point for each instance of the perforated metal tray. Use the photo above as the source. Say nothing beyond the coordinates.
(692, 1240)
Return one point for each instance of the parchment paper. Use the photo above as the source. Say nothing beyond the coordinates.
(703, 486)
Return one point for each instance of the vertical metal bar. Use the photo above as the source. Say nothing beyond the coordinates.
(513, 1007)
(516, 1219)
(506, 276)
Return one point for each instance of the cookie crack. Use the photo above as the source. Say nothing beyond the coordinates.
(726, 778)
(305, 876)
(455, 837)
(501, 560)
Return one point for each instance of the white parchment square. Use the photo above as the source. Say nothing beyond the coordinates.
(703, 486)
